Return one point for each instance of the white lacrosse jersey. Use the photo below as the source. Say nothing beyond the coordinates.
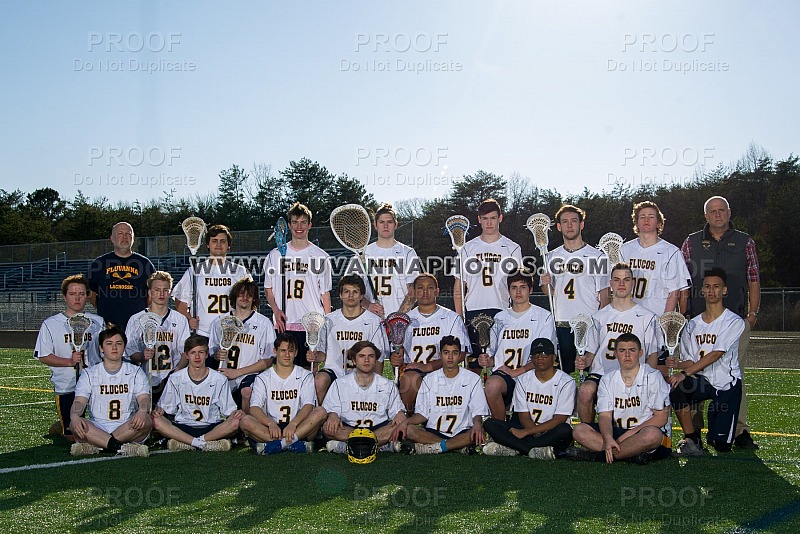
(391, 270)
(307, 278)
(658, 270)
(281, 398)
(577, 279)
(632, 406)
(214, 283)
(700, 338)
(197, 404)
(363, 407)
(55, 337)
(170, 338)
(112, 396)
(544, 400)
(608, 324)
(512, 334)
(485, 270)
(255, 342)
(423, 334)
(449, 404)
(339, 333)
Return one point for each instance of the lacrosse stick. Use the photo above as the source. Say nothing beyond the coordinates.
(352, 228)
(230, 327)
(396, 324)
(313, 322)
(150, 323)
(580, 325)
(483, 324)
(539, 225)
(280, 232)
(610, 244)
(194, 228)
(457, 227)
(672, 324)
(77, 325)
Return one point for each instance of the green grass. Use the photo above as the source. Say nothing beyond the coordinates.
(194, 491)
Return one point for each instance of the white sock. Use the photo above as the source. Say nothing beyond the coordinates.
(199, 443)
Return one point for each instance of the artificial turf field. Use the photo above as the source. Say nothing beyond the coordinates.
(741, 491)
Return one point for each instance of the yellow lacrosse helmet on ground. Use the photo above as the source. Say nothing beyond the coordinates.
(362, 446)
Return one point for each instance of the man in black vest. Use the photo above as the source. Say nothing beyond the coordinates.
(720, 245)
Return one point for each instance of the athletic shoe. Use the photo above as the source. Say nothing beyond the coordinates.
(495, 449)
(390, 446)
(301, 446)
(542, 453)
(270, 447)
(82, 449)
(469, 450)
(580, 454)
(720, 446)
(687, 447)
(56, 429)
(407, 447)
(134, 449)
(338, 447)
(643, 458)
(745, 441)
(218, 445)
(427, 448)
(175, 445)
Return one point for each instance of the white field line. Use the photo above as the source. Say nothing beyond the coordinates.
(63, 464)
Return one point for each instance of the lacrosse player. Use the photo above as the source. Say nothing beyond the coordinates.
(167, 356)
(392, 266)
(486, 261)
(118, 399)
(215, 276)
(450, 404)
(282, 415)
(305, 280)
(511, 336)
(659, 271)
(622, 316)
(578, 283)
(54, 348)
(118, 279)
(198, 398)
(633, 407)
(711, 341)
(362, 399)
(543, 403)
(429, 324)
(251, 351)
(341, 330)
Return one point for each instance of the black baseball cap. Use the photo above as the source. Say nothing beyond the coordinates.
(542, 345)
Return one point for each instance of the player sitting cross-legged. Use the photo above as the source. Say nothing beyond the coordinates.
(282, 415)
(450, 404)
(198, 398)
(118, 398)
(362, 399)
(543, 402)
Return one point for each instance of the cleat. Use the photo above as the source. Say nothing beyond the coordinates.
(425, 448)
(642, 458)
(390, 446)
(82, 449)
(745, 441)
(337, 447)
(134, 449)
(469, 450)
(581, 455)
(301, 446)
(174, 445)
(56, 429)
(495, 449)
(542, 453)
(687, 447)
(218, 445)
(270, 447)
(407, 447)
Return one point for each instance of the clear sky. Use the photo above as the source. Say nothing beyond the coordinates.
(403, 96)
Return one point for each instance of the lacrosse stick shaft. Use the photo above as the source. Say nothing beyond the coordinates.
(551, 290)
(194, 289)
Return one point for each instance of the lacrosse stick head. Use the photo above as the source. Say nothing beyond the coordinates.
(78, 324)
(150, 322)
(457, 227)
(396, 326)
(539, 225)
(231, 327)
(313, 322)
(194, 228)
(610, 245)
(482, 324)
(281, 231)
(352, 227)
(580, 325)
(672, 324)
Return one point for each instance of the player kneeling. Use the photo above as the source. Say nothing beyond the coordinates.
(118, 397)
(451, 404)
(362, 399)
(198, 397)
(281, 407)
(543, 402)
(633, 407)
